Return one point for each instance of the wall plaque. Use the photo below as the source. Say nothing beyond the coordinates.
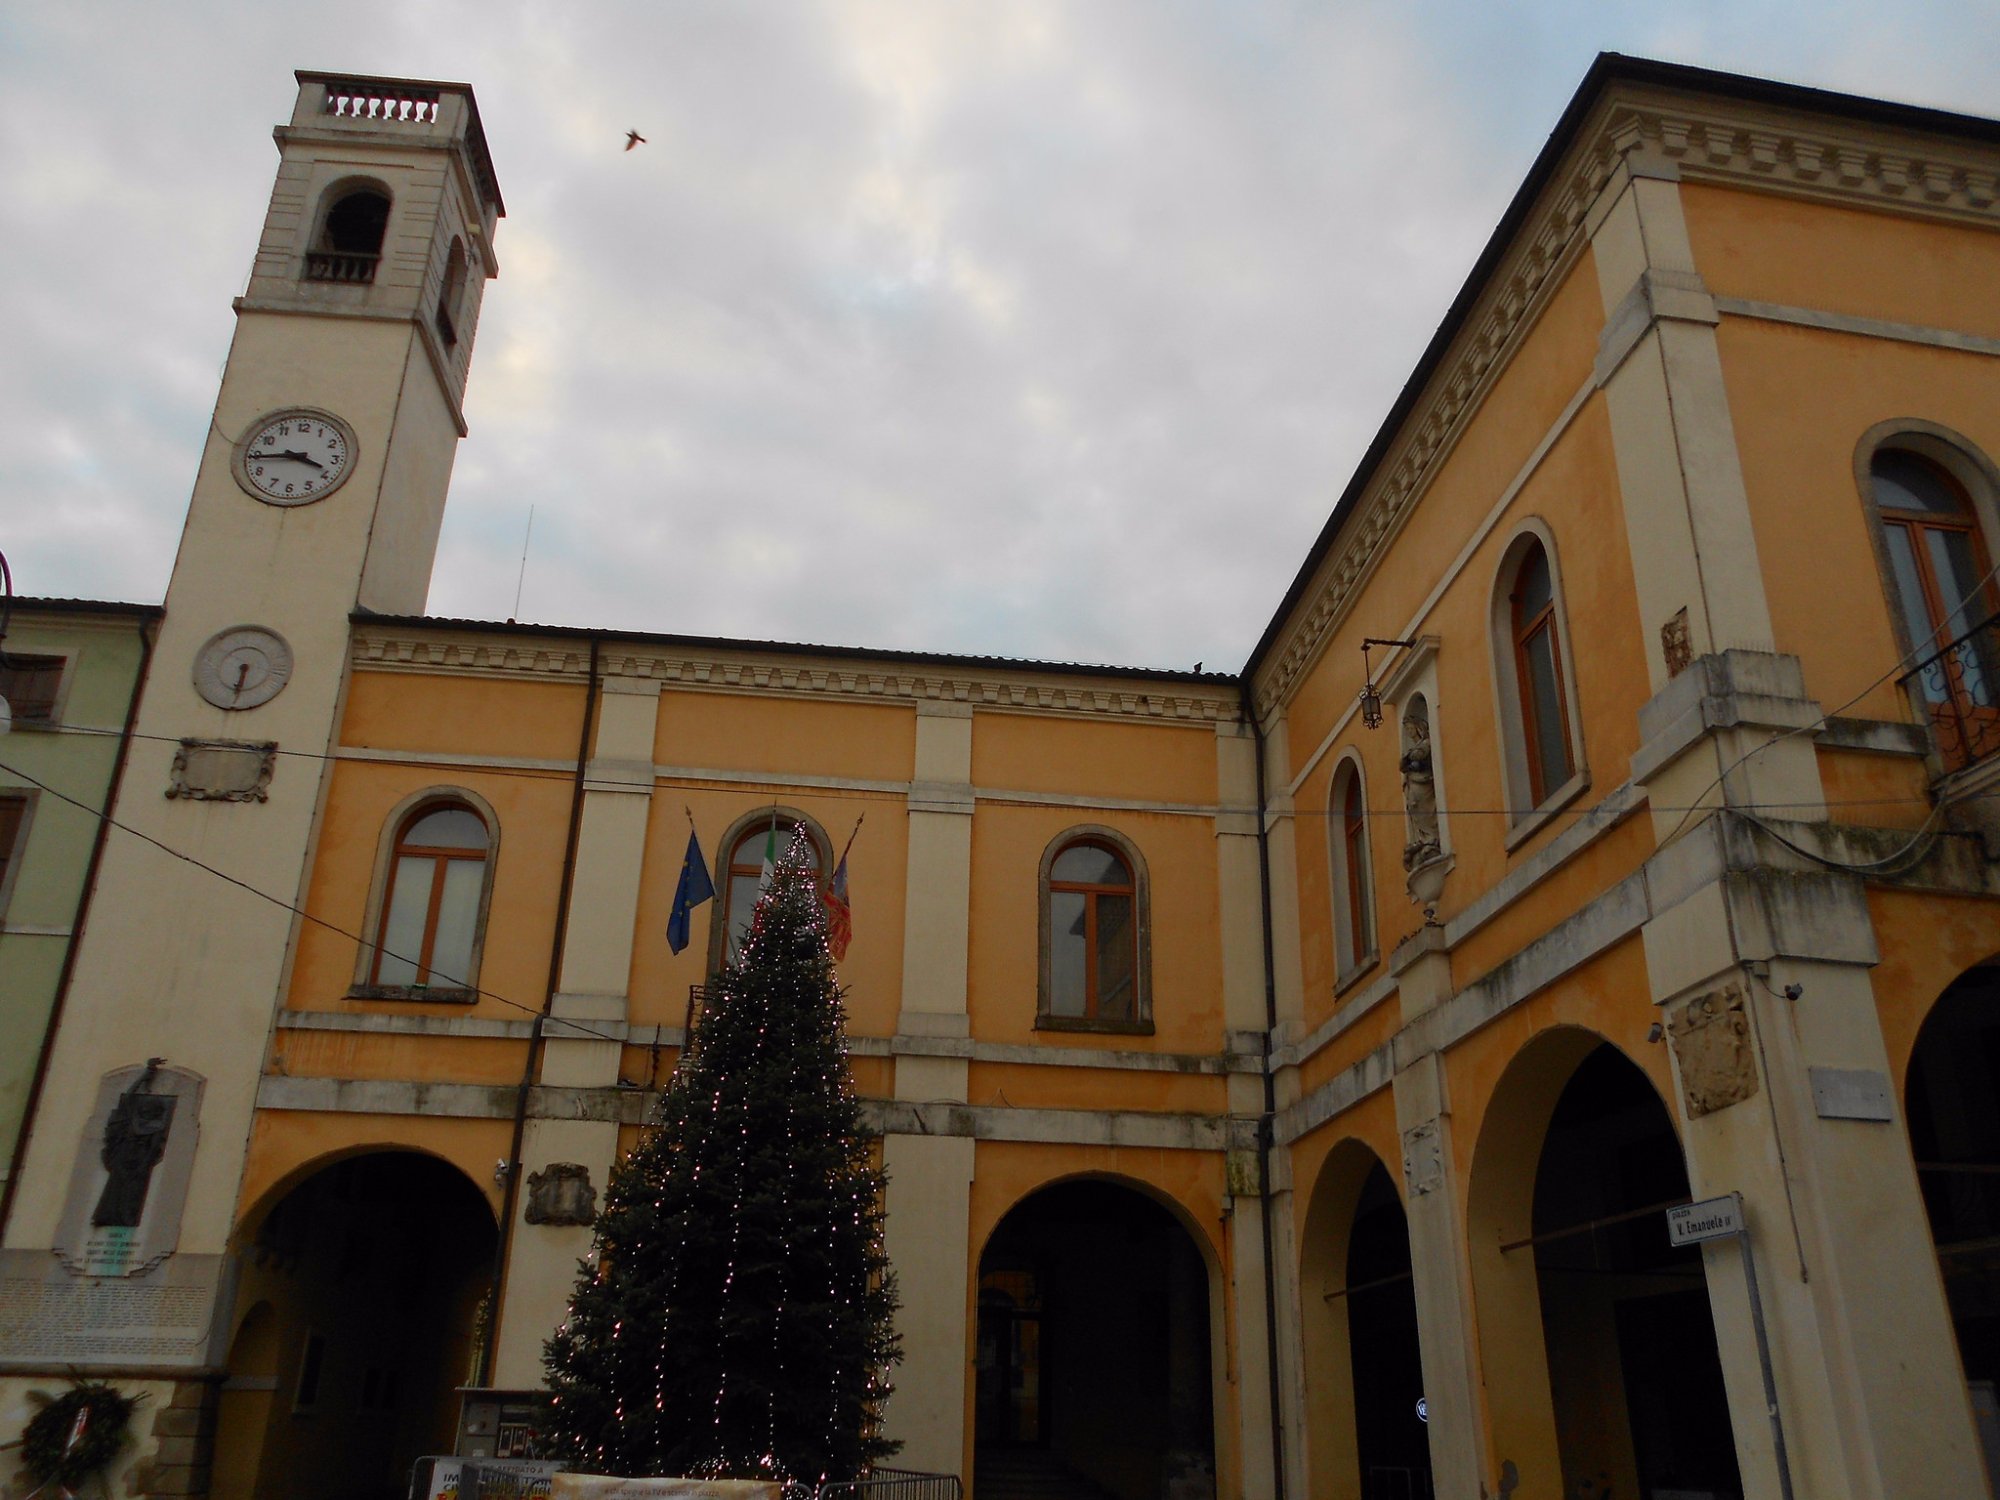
(1423, 1159)
(1852, 1094)
(1711, 1036)
(222, 770)
(561, 1194)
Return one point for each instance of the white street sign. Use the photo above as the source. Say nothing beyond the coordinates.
(1710, 1219)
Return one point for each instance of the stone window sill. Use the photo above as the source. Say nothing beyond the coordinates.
(421, 994)
(1359, 970)
(1088, 1023)
(1532, 823)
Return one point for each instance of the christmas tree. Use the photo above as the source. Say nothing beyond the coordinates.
(738, 1321)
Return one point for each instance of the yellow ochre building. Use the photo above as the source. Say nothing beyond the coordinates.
(1285, 1088)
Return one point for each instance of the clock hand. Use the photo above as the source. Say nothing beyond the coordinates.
(297, 458)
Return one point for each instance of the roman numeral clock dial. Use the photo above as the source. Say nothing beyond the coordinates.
(294, 457)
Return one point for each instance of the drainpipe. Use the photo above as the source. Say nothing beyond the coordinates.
(20, 1155)
(1264, 1124)
(532, 1063)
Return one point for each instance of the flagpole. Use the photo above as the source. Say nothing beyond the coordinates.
(850, 841)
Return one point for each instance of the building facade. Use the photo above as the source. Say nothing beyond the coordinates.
(1285, 1078)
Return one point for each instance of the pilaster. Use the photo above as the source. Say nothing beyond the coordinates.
(929, 1222)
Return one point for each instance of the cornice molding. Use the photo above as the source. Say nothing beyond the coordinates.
(1649, 132)
(459, 653)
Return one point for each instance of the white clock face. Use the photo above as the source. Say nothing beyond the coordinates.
(242, 667)
(295, 457)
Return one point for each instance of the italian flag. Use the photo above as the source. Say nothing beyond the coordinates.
(770, 859)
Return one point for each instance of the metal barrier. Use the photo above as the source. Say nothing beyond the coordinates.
(893, 1484)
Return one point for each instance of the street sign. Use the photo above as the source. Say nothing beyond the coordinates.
(1710, 1219)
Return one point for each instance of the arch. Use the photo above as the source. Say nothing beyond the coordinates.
(451, 293)
(734, 891)
(1534, 684)
(1075, 978)
(349, 230)
(1577, 1290)
(1098, 1341)
(377, 915)
(1358, 1331)
(1351, 878)
(251, 1218)
(370, 1266)
(1933, 503)
(1951, 1097)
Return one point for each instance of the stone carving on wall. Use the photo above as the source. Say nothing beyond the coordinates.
(561, 1194)
(1423, 1159)
(223, 771)
(1676, 644)
(1711, 1035)
(1421, 843)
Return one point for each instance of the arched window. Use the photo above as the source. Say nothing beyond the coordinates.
(434, 901)
(1943, 587)
(349, 243)
(740, 875)
(1537, 708)
(452, 293)
(1094, 934)
(1353, 884)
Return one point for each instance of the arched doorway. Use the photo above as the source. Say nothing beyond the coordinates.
(1953, 1108)
(1596, 1332)
(362, 1284)
(1092, 1365)
(1364, 1369)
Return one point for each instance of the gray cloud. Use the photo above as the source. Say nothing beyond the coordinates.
(1037, 328)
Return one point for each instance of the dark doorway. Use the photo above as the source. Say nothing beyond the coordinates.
(1634, 1373)
(1093, 1372)
(1391, 1437)
(367, 1278)
(1954, 1115)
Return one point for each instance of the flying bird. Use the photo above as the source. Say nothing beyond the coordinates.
(633, 138)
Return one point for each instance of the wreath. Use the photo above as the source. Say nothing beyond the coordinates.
(78, 1433)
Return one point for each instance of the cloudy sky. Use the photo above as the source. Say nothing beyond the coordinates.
(1047, 328)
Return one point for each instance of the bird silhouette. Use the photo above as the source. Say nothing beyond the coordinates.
(633, 138)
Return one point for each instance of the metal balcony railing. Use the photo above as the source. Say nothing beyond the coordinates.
(1957, 687)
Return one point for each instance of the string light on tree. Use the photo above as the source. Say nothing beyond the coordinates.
(738, 1321)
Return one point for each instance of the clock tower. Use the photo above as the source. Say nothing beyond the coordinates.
(320, 491)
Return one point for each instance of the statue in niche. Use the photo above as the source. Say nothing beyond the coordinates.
(1422, 843)
(135, 1138)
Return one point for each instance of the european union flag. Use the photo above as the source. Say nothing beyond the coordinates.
(695, 888)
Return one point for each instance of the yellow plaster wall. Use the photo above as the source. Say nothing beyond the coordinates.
(739, 732)
(1881, 791)
(1096, 1088)
(533, 812)
(287, 1146)
(1926, 941)
(1945, 275)
(430, 1059)
(1802, 400)
(443, 714)
(1144, 762)
(1179, 851)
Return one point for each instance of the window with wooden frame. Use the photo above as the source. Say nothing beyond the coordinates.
(31, 685)
(1538, 667)
(1094, 935)
(1353, 883)
(13, 818)
(1534, 687)
(1941, 572)
(741, 874)
(434, 904)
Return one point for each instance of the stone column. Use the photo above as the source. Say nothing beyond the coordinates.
(1446, 1337)
(592, 992)
(929, 1229)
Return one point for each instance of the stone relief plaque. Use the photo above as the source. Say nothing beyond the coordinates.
(1423, 1159)
(223, 770)
(122, 1216)
(561, 1194)
(1711, 1036)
